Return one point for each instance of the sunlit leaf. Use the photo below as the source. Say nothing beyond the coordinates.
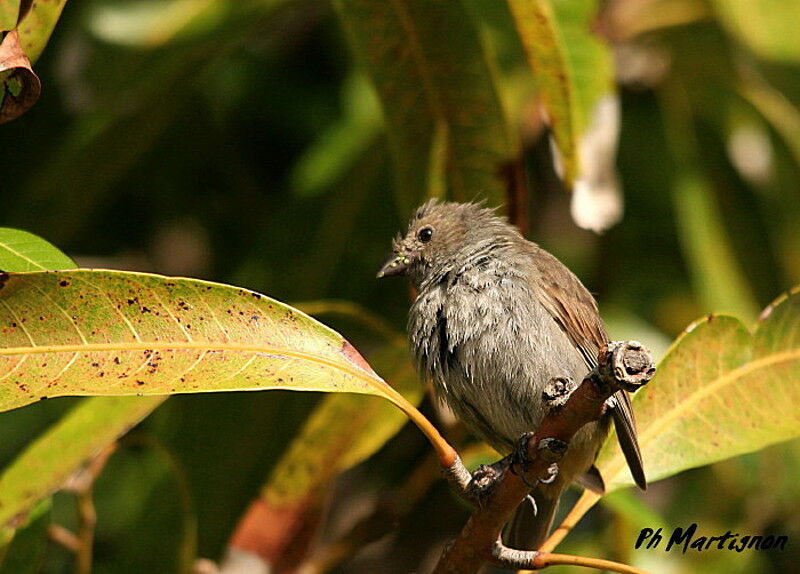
(720, 391)
(23, 251)
(81, 434)
(430, 71)
(19, 85)
(88, 332)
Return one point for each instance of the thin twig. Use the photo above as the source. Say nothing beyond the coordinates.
(81, 484)
(545, 559)
(87, 517)
(584, 504)
(63, 537)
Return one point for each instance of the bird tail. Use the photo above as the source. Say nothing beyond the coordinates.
(530, 524)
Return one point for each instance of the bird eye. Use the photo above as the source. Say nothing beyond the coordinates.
(425, 234)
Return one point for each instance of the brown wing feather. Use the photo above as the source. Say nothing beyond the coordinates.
(581, 322)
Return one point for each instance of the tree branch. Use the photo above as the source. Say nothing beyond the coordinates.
(621, 365)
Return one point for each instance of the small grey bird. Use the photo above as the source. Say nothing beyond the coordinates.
(497, 317)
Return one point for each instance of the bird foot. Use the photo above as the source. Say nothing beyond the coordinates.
(550, 449)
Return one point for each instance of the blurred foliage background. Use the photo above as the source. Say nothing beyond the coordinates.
(241, 141)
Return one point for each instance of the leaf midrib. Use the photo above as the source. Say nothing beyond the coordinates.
(349, 368)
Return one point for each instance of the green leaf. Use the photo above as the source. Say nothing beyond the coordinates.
(25, 553)
(23, 251)
(82, 433)
(44, 466)
(438, 93)
(89, 332)
(37, 26)
(573, 69)
(720, 391)
(768, 27)
(9, 11)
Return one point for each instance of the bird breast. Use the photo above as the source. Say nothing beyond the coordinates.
(489, 347)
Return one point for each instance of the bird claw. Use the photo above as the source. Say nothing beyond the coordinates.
(519, 457)
(553, 449)
(532, 500)
(552, 471)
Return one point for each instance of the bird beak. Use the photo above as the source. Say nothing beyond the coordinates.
(397, 265)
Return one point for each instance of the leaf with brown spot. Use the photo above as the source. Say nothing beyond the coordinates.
(200, 336)
(720, 391)
(45, 464)
(19, 85)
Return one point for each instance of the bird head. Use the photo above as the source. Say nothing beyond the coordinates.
(439, 236)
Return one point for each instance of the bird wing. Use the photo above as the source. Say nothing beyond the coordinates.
(580, 321)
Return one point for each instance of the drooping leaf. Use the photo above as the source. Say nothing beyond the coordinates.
(720, 391)
(438, 95)
(44, 466)
(88, 332)
(574, 73)
(19, 85)
(37, 26)
(23, 251)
